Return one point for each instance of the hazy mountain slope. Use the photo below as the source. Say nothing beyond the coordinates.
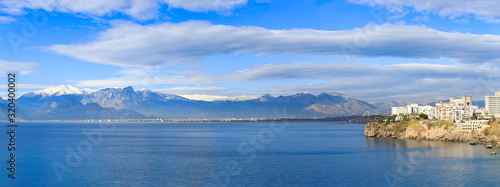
(3, 108)
(147, 95)
(117, 98)
(75, 110)
(66, 102)
(335, 104)
(303, 105)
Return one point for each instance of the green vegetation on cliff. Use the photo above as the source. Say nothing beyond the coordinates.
(389, 125)
(432, 130)
(493, 129)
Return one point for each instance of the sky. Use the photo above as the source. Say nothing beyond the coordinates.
(375, 50)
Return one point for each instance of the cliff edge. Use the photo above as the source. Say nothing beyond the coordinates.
(433, 131)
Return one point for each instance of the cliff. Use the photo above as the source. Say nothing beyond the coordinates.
(433, 131)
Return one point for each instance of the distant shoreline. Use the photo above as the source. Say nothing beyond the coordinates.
(344, 119)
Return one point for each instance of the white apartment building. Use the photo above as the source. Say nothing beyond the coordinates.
(409, 109)
(492, 104)
(413, 109)
(457, 109)
(474, 125)
(450, 111)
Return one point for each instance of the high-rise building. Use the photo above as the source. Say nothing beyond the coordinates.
(492, 104)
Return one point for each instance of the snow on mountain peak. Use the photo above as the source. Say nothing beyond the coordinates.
(61, 90)
(203, 97)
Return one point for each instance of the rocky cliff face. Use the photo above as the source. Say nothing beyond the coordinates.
(426, 131)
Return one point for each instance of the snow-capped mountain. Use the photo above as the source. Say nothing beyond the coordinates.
(60, 90)
(69, 102)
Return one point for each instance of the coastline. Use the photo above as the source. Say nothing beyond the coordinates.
(343, 119)
(431, 131)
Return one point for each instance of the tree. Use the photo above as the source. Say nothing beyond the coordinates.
(406, 117)
(423, 116)
(474, 115)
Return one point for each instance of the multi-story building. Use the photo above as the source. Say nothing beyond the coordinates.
(444, 113)
(464, 100)
(492, 104)
(474, 125)
(451, 111)
(458, 109)
(428, 110)
(399, 110)
(409, 109)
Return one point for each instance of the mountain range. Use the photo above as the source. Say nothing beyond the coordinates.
(72, 103)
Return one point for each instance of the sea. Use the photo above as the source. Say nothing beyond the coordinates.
(235, 154)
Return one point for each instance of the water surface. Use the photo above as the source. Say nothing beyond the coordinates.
(237, 154)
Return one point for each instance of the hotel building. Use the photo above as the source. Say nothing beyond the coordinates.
(492, 104)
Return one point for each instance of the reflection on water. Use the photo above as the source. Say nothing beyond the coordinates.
(438, 163)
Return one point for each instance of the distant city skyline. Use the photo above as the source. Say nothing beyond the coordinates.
(371, 50)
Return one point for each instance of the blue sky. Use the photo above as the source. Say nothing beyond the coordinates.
(373, 50)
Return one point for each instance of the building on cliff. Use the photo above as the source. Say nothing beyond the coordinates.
(457, 109)
(492, 104)
(473, 125)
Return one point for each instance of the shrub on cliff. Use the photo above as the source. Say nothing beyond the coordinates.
(423, 116)
(397, 127)
(439, 124)
(493, 129)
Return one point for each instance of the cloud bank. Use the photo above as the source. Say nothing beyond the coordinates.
(371, 82)
(482, 9)
(138, 9)
(17, 67)
(130, 44)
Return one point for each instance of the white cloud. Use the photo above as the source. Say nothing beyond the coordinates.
(139, 9)
(371, 82)
(6, 19)
(135, 81)
(17, 67)
(28, 86)
(390, 82)
(303, 71)
(129, 44)
(204, 5)
(21, 89)
(482, 9)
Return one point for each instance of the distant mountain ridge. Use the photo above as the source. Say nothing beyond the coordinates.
(3, 108)
(69, 102)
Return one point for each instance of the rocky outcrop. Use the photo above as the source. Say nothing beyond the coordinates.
(425, 131)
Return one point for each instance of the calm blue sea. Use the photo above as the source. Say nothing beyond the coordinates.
(236, 154)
